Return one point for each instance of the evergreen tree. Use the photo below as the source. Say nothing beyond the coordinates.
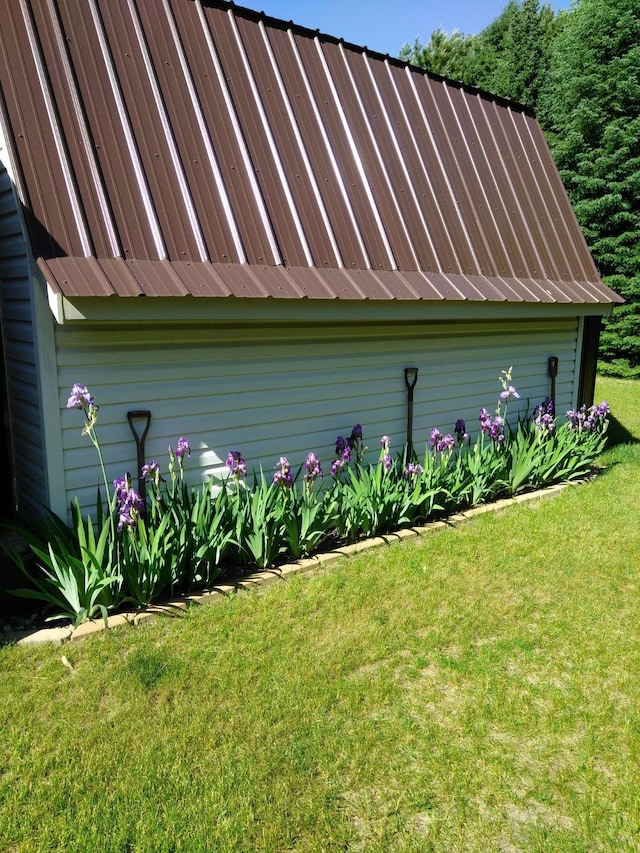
(525, 57)
(591, 109)
(509, 57)
(445, 54)
(489, 51)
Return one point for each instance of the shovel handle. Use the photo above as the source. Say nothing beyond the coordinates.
(139, 414)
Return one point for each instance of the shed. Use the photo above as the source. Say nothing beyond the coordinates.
(250, 229)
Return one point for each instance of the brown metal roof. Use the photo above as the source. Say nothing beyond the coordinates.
(192, 147)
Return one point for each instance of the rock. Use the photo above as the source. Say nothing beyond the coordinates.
(57, 636)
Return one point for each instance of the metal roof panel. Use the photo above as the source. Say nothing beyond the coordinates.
(200, 279)
(157, 278)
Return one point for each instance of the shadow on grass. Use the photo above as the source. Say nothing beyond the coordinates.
(149, 668)
(619, 434)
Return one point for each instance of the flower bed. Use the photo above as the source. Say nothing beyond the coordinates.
(184, 538)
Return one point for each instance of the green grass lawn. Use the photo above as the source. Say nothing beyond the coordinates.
(474, 690)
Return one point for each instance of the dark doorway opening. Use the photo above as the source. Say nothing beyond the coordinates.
(589, 360)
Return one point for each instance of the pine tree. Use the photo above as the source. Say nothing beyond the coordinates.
(591, 109)
(489, 53)
(445, 53)
(509, 57)
(524, 63)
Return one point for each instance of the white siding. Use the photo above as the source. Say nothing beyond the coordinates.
(21, 360)
(284, 390)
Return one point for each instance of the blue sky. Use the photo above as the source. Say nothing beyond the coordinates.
(385, 25)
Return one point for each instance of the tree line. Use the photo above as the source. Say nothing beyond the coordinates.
(579, 70)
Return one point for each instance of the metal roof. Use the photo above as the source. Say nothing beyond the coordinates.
(192, 147)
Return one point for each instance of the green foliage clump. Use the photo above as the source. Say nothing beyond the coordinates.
(619, 367)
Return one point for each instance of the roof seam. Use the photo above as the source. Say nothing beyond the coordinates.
(125, 123)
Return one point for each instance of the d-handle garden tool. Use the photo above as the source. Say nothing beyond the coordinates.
(553, 372)
(410, 379)
(140, 439)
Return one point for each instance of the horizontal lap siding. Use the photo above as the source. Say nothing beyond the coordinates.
(20, 353)
(271, 396)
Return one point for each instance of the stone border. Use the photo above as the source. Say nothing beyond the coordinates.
(176, 606)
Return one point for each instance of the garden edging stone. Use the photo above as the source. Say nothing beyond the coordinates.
(175, 607)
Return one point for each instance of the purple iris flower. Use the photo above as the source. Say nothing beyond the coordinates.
(182, 447)
(337, 466)
(150, 471)
(589, 420)
(441, 442)
(236, 464)
(544, 419)
(344, 447)
(385, 456)
(545, 423)
(509, 393)
(130, 505)
(121, 486)
(546, 407)
(412, 469)
(460, 430)
(448, 442)
(493, 426)
(130, 509)
(485, 420)
(496, 430)
(575, 418)
(312, 468)
(283, 477)
(80, 397)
